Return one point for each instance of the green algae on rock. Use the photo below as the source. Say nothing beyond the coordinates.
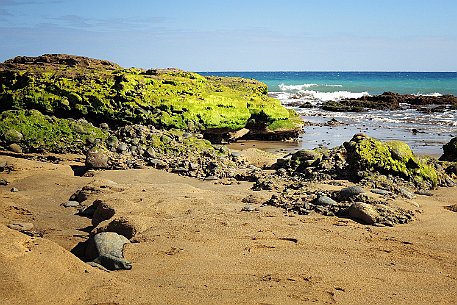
(44, 133)
(100, 91)
(390, 158)
(368, 161)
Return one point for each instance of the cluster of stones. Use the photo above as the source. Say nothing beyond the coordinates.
(351, 202)
(136, 146)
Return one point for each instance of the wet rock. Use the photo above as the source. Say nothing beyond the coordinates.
(363, 212)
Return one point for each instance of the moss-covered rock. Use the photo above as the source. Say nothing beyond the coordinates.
(390, 158)
(40, 132)
(100, 91)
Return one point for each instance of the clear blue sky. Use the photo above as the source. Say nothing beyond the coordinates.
(234, 35)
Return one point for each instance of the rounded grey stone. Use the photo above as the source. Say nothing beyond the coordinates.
(325, 201)
(350, 192)
(71, 204)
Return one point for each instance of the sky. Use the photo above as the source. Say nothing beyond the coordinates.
(238, 35)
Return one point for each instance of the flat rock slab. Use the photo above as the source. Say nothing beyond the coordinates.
(21, 226)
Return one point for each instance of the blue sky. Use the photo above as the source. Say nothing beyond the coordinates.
(234, 35)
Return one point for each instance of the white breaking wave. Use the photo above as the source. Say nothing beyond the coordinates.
(331, 96)
(332, 85)
(284, 87)
(436, 94)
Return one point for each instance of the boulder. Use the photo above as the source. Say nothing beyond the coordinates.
(15, 148)
(450, 151)
(366, 154)
(363, 212)
(106, 249)
(350, 192)
(97, 158)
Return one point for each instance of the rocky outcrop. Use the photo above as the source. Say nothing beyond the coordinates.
(390, 165)
(76, 87)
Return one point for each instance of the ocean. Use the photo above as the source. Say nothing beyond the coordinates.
(432, 130)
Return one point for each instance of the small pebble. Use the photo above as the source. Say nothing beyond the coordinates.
(14, 190)
(248, 208)
(71, 204)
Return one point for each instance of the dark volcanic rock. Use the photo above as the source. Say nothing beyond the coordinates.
(450, 151)
(390, 101)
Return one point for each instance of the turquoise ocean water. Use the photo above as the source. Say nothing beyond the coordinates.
(356, 82)
(294, 88)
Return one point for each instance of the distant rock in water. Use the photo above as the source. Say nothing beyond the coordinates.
(390, 101)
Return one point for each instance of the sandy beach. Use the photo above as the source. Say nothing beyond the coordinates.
(194, 244)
